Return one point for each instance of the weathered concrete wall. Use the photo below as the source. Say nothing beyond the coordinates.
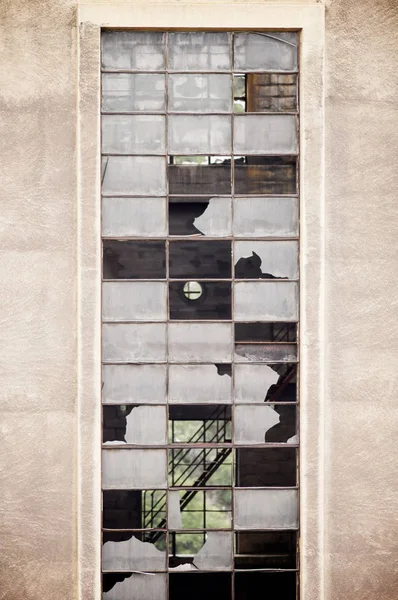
(38, 362)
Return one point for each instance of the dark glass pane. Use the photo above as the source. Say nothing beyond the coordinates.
(122, 509)
(200, 259)
(266, 467)
(209, 179)
(265, 332)
(266, 175)
(276, 586)
(197, 586)
(213, 303)
(134, 260)
(266, 550)
(272, 92)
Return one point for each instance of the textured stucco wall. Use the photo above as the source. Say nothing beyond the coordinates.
(39, 357)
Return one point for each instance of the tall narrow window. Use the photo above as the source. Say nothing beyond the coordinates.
(200, 312)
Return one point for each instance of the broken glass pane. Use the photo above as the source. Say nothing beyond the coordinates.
(271, 353)
(200, 509)
(273, 51)
(125, 259)
(278, 585)
(200, 383)
(195, 424)
(128, 92)
(197, 179)
(265, 332)
(134, 175)
(200, 467)
(204, 134)
(266, 550)
(133, 554)
(133, 509)
(133, 50)
(266, 260)
(145, 217)
(265, 134)
(258, 217)
(134, 424)
(134, 586)
(213, 303)
(265, 509)
(199, 51)
(137, 384)
(206, 215)
(271, 92)
(275, 423)
(210, 552)
(126, 469)
(202, 93)
(268, 300)
(252, 383)
(200, 342)
(134, 301)
(265, 175)
(266, 467)
(200, 259)
(133, 134)
(145, 342)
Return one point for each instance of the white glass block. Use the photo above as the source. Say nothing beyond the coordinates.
(216, 219)
(271, 51)
(174, 517)
(133, 134)
(132, 555)
(268, 353)
(266, 301)
(199, 134)
(143, 586)
(278, 258)
(199, 51)
(146, 425)
(257, 217)
(202, 93)
(266, 509)
(198, 384)
(128, 342)
(251, 423)
(130, 92)
(252, 383)
(265, 134)
(134, 384)
(135, 50)
(216, 553)
(200, 342)
(128, 469)
(134, 175)
(145, 217)
(134, 301)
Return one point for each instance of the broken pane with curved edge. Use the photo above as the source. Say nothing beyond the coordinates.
(199, 51)
(266, 509)
(265, 134)
(211, 216)
(271, 353)
(129, 92)
(133, 509)
(202, 93)
(273, 51)
(271, 92)
(257, 217)
(134, 175)
(265, 175)
(134, 586)
(278, 467)
(126, 469)
(266, 550)
(145, 217)
(191, 384)
(134, 384)
(133, 342)
(273, 423)
(133, 134)
(134, 424)
(133, 50)
(199, 134)
(126, 259)
(266, 260)
(200, 179)
(212, 551)
(200, 342)
(267, 300)
(252, 383)
(200, 509)
(200, 467)
(133, 554)
(134, 301)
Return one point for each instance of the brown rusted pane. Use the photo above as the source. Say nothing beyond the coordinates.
(266, 175)
(272, 92)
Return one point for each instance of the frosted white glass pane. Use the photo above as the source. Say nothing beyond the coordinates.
(134, 175)
(132, 555)
(143, 586)
(266, 301)
(199, 51)
(134, 384)
(133, 134)
(257, 217)
(216, 220)
(136, 50)
(265, 134)
(265, 51)
(259, 259)
(134, 301)
(144, 217)
(252, 382)
(266, 509)
(200, 342)
(124, 92)
(199, 134)
(202, 93)
(270, 353)
(128, 469)
(146, 425)
(251, 423)
(144, 342)
(198, 384)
